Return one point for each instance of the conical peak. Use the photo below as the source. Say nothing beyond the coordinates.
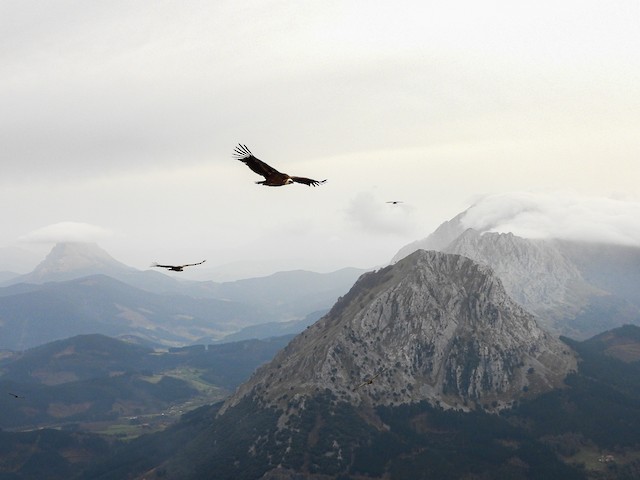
(434, 326)
(75, 255)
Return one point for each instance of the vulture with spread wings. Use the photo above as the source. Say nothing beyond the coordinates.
(177, 268)
(272, 177)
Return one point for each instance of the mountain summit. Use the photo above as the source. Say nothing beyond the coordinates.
(434, 326)
(73, 260)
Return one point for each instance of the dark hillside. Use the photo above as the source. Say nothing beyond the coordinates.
(94, 378)
(48, 454)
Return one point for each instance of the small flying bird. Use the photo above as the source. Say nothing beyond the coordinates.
(14, 395)
(370, 381)
(395, 202)
(177, 268)
(272, 177)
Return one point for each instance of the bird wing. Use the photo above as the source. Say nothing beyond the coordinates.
(242, 153)
(193, 264)
(162, 266)
(307, 181)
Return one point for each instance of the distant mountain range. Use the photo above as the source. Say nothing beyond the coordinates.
(270, 329)
(574, 288)
(37, 314)
(80, 289)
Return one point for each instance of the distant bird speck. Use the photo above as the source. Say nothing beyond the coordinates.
(14, 395)
(370, 381)
(395, 202)
(272, 177)
(177, 268)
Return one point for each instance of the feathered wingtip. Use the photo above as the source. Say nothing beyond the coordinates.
(241, 151)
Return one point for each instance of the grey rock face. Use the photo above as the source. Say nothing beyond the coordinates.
(434, 326)
(534, 273)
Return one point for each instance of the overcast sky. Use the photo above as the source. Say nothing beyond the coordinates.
(118, 120)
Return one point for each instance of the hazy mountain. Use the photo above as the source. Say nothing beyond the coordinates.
(57, 300)
(296, 290)
(612, 268)
(292, 294)
(291, 422)
(271, 329)
(36, 314)
(7, 276)
(284, 295)
(574, 288)
(73, 260)
(239, 270)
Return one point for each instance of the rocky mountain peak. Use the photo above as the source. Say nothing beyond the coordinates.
(434, 326)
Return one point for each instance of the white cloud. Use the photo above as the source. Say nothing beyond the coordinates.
(67, 232)
(558, 215)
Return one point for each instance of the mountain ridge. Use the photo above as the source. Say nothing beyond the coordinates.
(142, 302)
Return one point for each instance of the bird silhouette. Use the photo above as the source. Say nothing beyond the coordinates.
(272, 177)
(14, 395)
(177, 268)
(369, 381)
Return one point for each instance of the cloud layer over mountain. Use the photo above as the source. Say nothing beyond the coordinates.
(67, 232)
(557, 215)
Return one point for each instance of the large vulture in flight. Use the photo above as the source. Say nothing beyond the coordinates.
(177, 268)
(272, 177)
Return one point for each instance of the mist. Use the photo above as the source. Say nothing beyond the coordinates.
(67, 232)
(557, 215)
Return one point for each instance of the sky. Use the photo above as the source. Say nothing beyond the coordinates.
(118, 122)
